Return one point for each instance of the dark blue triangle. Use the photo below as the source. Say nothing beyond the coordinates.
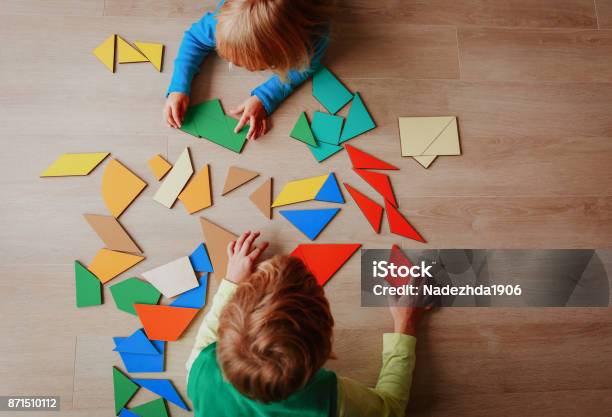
(137, 343)
(310, 222)
(200, 261)
(330, 191)
(195, 297)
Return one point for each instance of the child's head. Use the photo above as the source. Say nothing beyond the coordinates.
(270, 34)
(275, 332)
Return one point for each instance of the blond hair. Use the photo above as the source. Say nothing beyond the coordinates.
(275, 332)
(271, 34)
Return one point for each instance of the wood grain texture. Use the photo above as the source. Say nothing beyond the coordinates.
(604, 13)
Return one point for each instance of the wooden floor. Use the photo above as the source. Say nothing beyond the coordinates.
(531, 84)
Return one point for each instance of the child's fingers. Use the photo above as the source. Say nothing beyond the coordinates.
(168, 116)
(176, 116)
(240, 241)
(237, 111)
(252, 127)
(258, 251)
(230, 248)
(246, 246)
(241, 123)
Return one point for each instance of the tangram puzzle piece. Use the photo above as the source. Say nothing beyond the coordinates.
(197, 194)
(176, 179)
(424, 138)
(262, 198)
(327, 128)
(74, 164)
(107, 264)
(329, 91)
(301, 131)
(159, 167)
(173, 278)
(153, 51)
(137, 342)
(120, 187)
(127, 413)
(112, 233)
(380, 182)
(164, 322)
(124, 389)
(133, 291)
(362, 160)
(126, 53)
(163, 388)
(237, 177)
(310, 222)
(397, 257)
(217, 239)
(88, 287)
(324, 150)
(425, 160)
(330, 191)
(105, 52)
(200, 261)
(138, 362)
(399, 225)
(194, 298)
(371, 210)
(358, 120)
(155, 408)
(300, 190)
(324, 260)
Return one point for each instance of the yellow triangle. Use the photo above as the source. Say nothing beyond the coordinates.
(153, 51)
(425, 160)
(105, 52)
(301, 190)
(447, 142)
(126, 53)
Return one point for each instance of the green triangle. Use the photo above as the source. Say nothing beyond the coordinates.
(155, 408)
(124, 389)
(301, 131)
(358, 120)
(133, 291)
(197, 116)
(189, 121)
(88, 287)
(324, 150)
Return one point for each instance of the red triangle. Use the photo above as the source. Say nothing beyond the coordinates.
(362, 160)
(325, 259)
(398, 258)
(399, 225)
(370, 209)
(380, 182)
(164, 322)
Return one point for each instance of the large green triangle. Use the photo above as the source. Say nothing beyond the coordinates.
(200, 115)
(133, 291)
(358, 120)
(155, 408)
(301, 131)
(88, 287)
(123, 388)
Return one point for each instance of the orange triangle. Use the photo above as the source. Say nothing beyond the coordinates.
(324, 260)
(217, 239)
(237, 177)
(262, 198)
(164, 322)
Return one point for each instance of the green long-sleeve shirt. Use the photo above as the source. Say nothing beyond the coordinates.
(387, 399)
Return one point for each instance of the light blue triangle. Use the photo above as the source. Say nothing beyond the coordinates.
(195, 297)
(326, 127)
(310, 222)
(200, 261)
(330, 191)
(324, 150)
(163, 388)
(358, 120)
(139, 343)
(329, 91)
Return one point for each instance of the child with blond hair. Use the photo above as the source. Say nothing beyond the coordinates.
(261, 348)
(287, 37)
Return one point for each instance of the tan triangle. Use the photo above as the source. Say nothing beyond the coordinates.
(105, 52)
(425, 160)
(153, 51)
(237, 177)
(217, 239)
(196, 195)
(262, 198)
(112, 233)
(417, 133)
(126, 53)
(447, 143)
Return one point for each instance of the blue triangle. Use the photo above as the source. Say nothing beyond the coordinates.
(310, 222)
(136, 362)
(163, 388)
(139, 343)
(330, 191)
(195, 297)
(127, 413)
(200, 261)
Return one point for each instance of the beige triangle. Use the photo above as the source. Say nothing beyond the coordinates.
(126, 53)
(447, 143)
(107, 264)
(112, 233)
(425, 160)
(197, 195)
(153, 51)
(262, 198)
(175, 181)
(417, 133)
(217, 239)
(237, 177)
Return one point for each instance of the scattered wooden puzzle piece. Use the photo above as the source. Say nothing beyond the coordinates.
(162, 322)
(88, 287)
(329, 91)
(200, 261)
(137, 342)
(324, 260)
(397, 257)
(74, 164)
(120, 187)
(217, 239)
(358, 120)
(163, 388)
(424, 138)
(155, 408)
(107, 264)
(173, 278)
(330, 191)
(124, 389)
(197, 194)
(194, 298)
(425, 160)
(380, 182)
(139, 362)
(302, 132)
(159, 166)
(110, 231)
(153, 51)
(127, 413)
(262, 198)
(324, 150)
(175, 181)
(370, 209)
(327, 127)
(399, 225)
(300, 190)
(126, 53)
(363, 160)
(133, 291)
(311, 222)
(105, 52)
(237, 177)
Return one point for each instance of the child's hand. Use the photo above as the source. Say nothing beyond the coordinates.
(242, 256)
(254, 113)
(408, 310)
(174, 109)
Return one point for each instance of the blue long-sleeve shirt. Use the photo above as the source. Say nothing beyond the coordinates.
(200, 40)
